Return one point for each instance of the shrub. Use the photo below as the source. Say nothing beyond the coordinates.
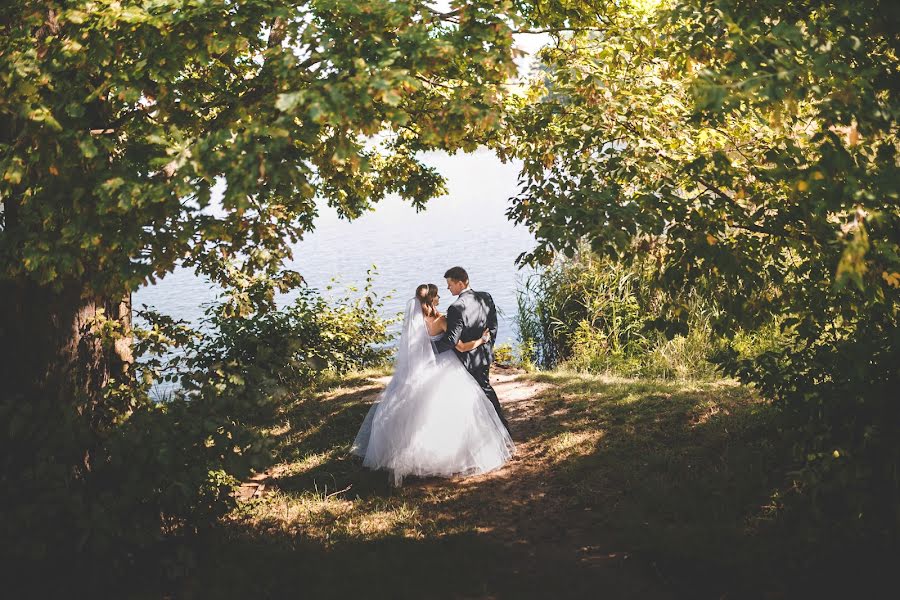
(504, 355)
(167, 463)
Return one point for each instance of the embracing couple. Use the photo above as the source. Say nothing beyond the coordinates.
(439, 415)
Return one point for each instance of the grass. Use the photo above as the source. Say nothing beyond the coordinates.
(680, 470)
(620, 489)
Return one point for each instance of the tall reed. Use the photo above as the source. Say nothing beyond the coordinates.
(598, 315)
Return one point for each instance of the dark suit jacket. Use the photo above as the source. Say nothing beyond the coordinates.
(467, 318)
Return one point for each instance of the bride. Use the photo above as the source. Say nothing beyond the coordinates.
(433, 418)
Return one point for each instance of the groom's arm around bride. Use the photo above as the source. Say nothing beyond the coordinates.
(455, 328)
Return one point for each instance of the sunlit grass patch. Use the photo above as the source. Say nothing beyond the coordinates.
(400, 519)
(329, 516)
(305, 464)
(569, 443)
(334, 383)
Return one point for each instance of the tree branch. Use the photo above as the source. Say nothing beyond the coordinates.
(800, 235)
(558, 30)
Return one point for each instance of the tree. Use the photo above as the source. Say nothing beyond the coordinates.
(756, 142)
(117, 118)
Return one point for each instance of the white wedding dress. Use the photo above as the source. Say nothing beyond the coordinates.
(433, 418)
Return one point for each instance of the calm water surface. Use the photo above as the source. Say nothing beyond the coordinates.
(467, 227)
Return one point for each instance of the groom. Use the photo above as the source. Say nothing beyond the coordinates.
(467, 318)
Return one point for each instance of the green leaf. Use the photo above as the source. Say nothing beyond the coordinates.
(288, 101)
(88, 149)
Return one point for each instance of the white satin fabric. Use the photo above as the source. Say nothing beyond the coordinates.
(433, 418)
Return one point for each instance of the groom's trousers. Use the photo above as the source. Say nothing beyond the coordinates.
(483, 376)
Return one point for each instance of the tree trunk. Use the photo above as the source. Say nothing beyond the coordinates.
(51, 360)
(52, 420)
(47, 339)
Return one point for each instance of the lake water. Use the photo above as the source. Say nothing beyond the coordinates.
(467, 227)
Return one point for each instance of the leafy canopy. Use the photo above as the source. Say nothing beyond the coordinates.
(119, 117)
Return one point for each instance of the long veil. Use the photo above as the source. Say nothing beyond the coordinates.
(415, 354)
(414, 364)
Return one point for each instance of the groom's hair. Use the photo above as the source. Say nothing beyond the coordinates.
(457, 273)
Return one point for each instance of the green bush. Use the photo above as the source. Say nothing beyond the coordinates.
(835, 383)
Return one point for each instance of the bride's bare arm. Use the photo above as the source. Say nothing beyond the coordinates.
(467, 346)
(436, 325)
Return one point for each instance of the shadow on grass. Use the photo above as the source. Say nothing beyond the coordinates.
(463, 565)
(620, 489)
(317, 445)
(682, 473)
(691, 476)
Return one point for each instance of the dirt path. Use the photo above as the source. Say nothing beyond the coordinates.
(537, 539)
